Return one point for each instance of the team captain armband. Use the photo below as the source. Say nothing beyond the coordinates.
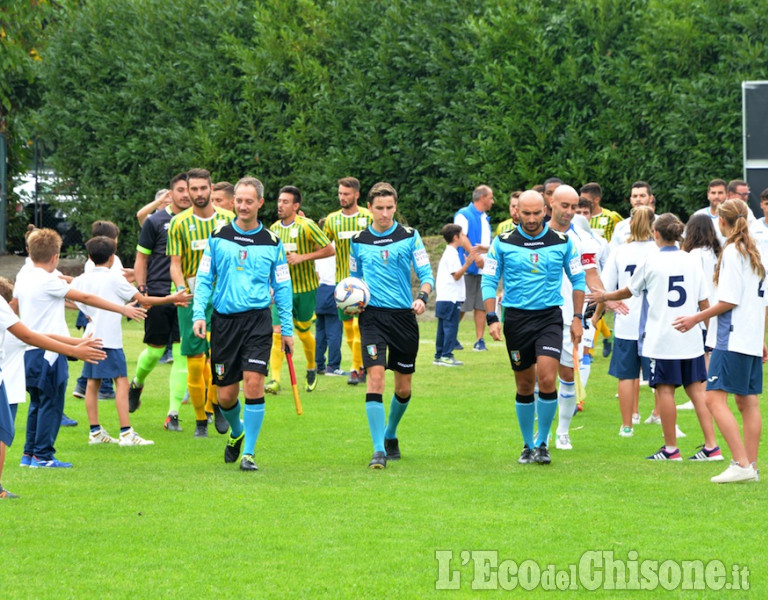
(282, 273)
(421, 257)
(588, 260)
(205, 264)
(490, 267)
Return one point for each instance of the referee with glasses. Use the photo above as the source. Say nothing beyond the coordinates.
(244, 260)
(531, 261)
(383, 255)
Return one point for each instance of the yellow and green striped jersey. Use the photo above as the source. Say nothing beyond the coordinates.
(340, 228)
(504, 226)
(604, 223)
(188, 236)
(302, 237)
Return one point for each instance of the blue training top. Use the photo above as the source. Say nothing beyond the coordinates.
(383, 261)
(243, 265)
(532, 268)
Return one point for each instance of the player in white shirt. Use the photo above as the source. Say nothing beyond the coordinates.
(759, 229)
(737, 334)
(626, 361)
(640, 195)
(112, 287)
(716, 194)
(671, 284)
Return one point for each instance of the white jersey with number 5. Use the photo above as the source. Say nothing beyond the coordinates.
(671, 283)
(741, 329)
(619, 269)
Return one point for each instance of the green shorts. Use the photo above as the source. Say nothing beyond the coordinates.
(191, 345)
(303, 308)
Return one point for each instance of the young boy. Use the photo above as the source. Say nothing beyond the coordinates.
(450, 295)
(105, 283)
(41, 296)
(87, 349)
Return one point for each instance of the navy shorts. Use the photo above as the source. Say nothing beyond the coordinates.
(626, 362)
(240, 342)
(110, 368)
(735, 373)
(532, 333)
(392, 329)
(677, 372)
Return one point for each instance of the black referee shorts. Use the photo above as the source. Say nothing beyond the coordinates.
(389, 328)
(532, 333)
(240, 342)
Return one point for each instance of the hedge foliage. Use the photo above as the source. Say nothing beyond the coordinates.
(435, 96)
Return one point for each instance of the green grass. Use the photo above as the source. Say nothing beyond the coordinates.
(173, 520)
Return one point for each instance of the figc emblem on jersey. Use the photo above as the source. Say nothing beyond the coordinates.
(385, 256)
(243, 255)
(534, 258)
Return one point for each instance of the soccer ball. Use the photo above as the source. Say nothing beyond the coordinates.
(352, 295)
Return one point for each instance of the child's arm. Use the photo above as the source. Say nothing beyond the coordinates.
(136, 313)
(86, 349)
(180, 298)
(467, 261)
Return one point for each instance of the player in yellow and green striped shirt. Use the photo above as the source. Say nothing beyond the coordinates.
(303, 242)
(511, 223)
(187, 239)
(340, 227)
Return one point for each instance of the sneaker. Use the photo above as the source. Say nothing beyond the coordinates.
(172, 423)
(134, 396)
(626, 432)
(272, 387)
(757, 471)
(67, 422)
(53, 463)
(336, 373)
(458, 346)
(704, 455)
(735, 473)
(636, 418)
(167, 357)
(607, 347)
(100, 436)
(320, 371)
(479, 346)
(6, 494)
(26, 460)
(678, 432)
(541, 455)
(437, 362)
(311, 379)
(392, 448)
(449, 361)
(356, 377)
(653, 420)
(563, 442)
(79, 392)
(662, 454)
(687, 406)
(526, 456)
(247, 463)
(131, 438)
(219, 420)
(201, 429)
(232, 449)
(107, 396)
(378, 461)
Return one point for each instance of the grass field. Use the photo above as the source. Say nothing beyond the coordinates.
(174, 521)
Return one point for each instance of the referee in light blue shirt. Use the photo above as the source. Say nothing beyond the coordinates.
(531, 261)
(382, 255)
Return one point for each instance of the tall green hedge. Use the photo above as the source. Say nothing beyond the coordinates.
(436, 96)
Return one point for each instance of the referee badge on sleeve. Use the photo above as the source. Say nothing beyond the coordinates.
(373, 352)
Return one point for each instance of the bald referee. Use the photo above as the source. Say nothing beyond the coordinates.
(531, 261)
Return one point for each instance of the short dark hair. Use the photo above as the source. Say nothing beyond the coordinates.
(382, 189)
(592, 188)
(176, 178)
(100, 248)
(198, 174)
(733, 184)
(350, 182)
(224, 186)
(6, 289)
(105, 228)
(764, 195)
(294, 191)
(639, 184)
(450, 231)
(553, 180)
(585, 202)
(716, 183)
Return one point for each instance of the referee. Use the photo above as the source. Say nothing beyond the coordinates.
(530, 261)
(382, 255)
(243, 259)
